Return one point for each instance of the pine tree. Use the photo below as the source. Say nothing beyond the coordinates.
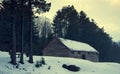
(65, 22)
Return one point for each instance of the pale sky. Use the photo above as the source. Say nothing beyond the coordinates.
(106, 13)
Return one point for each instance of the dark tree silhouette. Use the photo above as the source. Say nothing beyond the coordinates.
(22, 33)
(13, 51)
(65, 22)
(30, 23)
(20, 17)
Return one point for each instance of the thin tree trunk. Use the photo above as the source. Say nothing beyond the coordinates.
(30, 23)
(22, 35)
(14, 45)
(13, 52)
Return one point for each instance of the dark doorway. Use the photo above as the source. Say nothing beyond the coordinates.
(83, 56)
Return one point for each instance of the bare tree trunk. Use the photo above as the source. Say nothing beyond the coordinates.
(13, 61)
(22, 35)
(13, 52)
(30, 23)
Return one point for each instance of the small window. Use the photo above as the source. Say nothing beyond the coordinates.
(83, 57)
(72, 52)
(96, 53)
(92, 53)
(79, 52)
(89, 53)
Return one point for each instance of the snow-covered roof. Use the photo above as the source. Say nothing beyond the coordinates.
(77, 46)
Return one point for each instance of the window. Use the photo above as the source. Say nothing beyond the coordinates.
(89, 53)
(83, 56)
(72, 52)
(96, 53)
(79, 52)
(92, 53)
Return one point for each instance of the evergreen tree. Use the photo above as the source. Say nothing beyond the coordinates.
(65, 22)
(115, 51)
(90, 33)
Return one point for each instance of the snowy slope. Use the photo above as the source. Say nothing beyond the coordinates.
(55, 66)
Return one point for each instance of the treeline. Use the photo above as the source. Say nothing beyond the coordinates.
(70, 24)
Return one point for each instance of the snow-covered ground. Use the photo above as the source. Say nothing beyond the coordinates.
(54, 66)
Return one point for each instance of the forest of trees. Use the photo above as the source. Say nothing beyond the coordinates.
(17, 29)
(22, 31)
